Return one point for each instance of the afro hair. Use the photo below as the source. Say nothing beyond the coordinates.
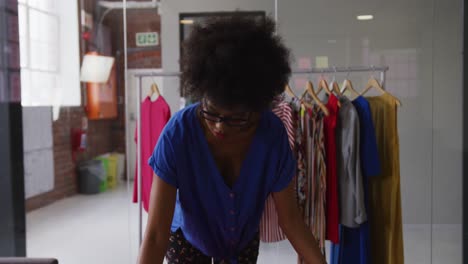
(235, 61)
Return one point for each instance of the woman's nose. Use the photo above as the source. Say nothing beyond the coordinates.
(220, 126)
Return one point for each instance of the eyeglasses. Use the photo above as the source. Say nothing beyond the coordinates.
(230, 121)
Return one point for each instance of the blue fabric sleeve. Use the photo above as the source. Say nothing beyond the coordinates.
(163, 161)
(286, 164)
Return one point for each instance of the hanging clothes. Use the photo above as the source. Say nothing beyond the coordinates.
(344, 143)
(354, 242)
(386, 229)
(319, 175)
(352, 208)
(370, 160)
(330, 121)
(284, 111)
(302, 180)
(312, 184)
(154, 117)
(270, 231)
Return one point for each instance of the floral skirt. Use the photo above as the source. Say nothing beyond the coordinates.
(180, 251)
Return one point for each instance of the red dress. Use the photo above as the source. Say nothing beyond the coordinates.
(154, 116)
(332, 228)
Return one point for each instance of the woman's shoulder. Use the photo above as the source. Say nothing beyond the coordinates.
(273, 121)
(181, 124)
(273, 127)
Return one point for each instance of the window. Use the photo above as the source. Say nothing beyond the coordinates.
(45, 30)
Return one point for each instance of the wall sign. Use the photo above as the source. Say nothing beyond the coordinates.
(147, 39)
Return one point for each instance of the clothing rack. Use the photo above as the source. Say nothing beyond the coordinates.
(382, 70)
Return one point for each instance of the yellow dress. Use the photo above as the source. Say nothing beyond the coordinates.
(386, 234)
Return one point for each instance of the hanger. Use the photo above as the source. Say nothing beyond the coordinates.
(335, 87)
(373, 83)
(311, 92)
(289, 91)
(323, 85)
(154, 91)
(347, 85)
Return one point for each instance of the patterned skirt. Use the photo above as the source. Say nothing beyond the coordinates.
(181, 251)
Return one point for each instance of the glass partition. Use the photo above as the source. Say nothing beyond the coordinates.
(419, 42)
(406, 37)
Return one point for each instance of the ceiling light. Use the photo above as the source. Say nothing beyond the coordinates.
(186, 21)
(365, 17)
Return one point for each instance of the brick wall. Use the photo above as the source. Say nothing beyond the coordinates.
(143, 21)
(103, 135)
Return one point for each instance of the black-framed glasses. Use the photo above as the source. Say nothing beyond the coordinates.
(230, 121)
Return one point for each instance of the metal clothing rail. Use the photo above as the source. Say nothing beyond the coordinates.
(139, 76)
(308, 71)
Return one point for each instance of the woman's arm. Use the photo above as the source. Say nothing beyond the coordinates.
(294, 227)
(161, 212)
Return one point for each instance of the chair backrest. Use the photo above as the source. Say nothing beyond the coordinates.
(27, 261)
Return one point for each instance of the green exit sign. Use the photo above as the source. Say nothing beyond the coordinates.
(147, 39)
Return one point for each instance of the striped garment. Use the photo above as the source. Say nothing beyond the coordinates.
(270, 231)
(313, 186)
(305, 128)
(320, 177)
(302, 180)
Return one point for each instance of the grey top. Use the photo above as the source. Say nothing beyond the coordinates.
(351, 191)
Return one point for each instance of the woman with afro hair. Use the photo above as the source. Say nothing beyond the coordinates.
(218, 160)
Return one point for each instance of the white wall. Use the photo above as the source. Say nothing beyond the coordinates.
(170, 32)
(448, 112)
(447, 189)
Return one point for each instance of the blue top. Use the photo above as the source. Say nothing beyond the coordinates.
(354, 245)
(370, 162)
(218, 220)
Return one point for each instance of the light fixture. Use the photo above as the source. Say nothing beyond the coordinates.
(365, 17)
(186, 21)
(130, 4)
(96, 68)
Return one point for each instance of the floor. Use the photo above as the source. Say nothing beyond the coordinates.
(103, 228)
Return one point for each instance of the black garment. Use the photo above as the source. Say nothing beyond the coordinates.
(181, 251)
